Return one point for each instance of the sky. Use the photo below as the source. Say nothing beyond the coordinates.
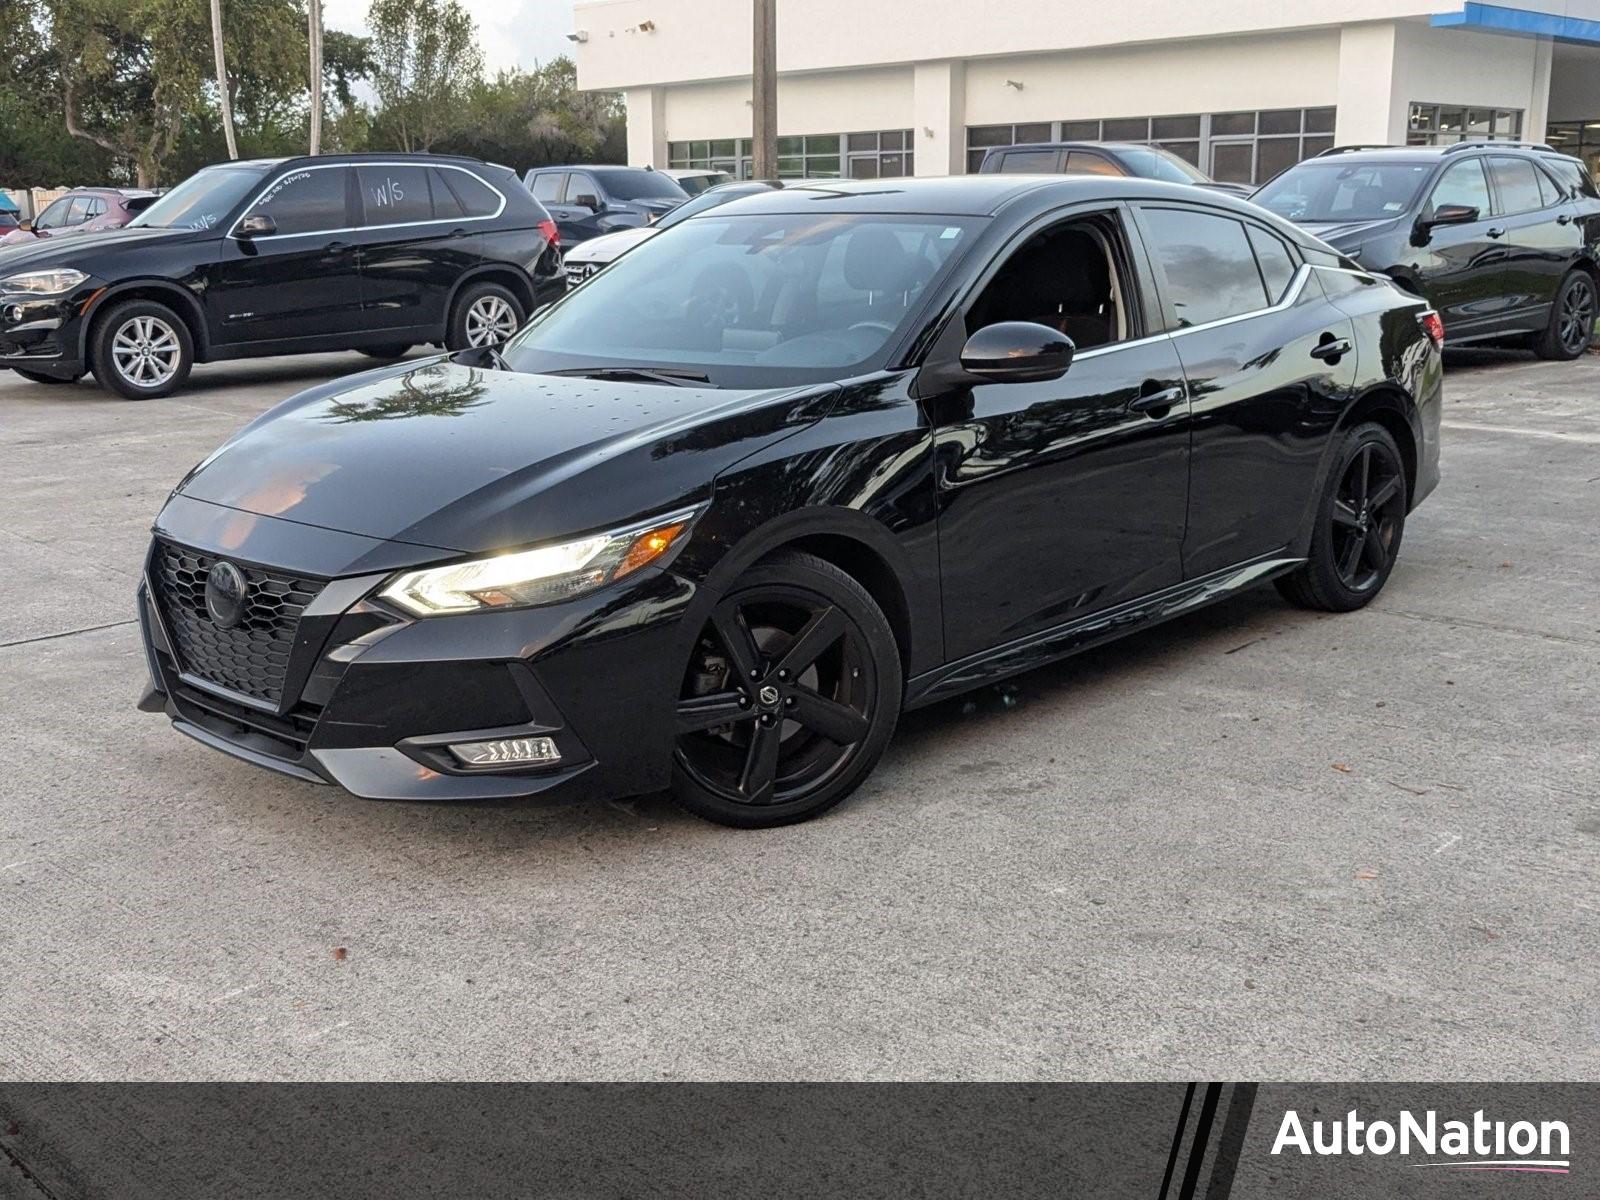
(511, 33)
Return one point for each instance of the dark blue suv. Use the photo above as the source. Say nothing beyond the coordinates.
(589, 201)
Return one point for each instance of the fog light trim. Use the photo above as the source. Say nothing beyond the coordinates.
(506, 752)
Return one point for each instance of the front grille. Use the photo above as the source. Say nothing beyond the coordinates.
(253, 657)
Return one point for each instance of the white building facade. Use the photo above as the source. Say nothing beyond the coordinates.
(1241, 88)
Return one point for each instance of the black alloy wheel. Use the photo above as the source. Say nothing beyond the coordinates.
(791, 694)
(1360, 522)
(1572, 319)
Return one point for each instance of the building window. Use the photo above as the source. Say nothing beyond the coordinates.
(1442, 124)
(880, 153)
(1578, 138)
(1242, 147)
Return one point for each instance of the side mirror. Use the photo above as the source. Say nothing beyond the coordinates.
(257, 226)
(25, 226)
(1017, 352)
(587, 200)
(1452, 214)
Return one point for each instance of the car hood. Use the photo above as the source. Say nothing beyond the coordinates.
(656, 206)
(1341, 235)
(465, 459)
(60, 251)
(608, 245)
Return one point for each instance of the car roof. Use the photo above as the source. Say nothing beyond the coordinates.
(987, 195)
(1077, 145)
(1428, 154)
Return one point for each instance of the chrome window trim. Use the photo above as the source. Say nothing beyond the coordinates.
(233, 229)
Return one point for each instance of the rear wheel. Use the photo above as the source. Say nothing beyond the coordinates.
(485, 314)
(142, 350)
(1572, 319)
(1360, 521)
(790, 696)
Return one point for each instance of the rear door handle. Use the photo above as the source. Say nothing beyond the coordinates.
(1564, 219)
(1331, 351)
(1156, 403)
(1497, 232)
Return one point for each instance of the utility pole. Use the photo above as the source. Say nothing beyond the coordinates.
(223, 96)
(764, 78)
(315, 42)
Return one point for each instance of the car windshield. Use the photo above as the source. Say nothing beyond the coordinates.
(695, 184)
(1152, 162)
(641, 185)
(1323, 190)
(202, 201)
(750, 300)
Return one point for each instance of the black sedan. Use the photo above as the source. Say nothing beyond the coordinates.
(361, 252)
(814, 457)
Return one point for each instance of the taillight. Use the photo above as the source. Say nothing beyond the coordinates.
(1433, 325)
(551, 233)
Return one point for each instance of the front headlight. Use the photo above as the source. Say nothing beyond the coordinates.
(43, 283)
(543, 575)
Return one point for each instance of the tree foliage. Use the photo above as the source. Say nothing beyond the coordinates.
(426, 58)
(122, 91)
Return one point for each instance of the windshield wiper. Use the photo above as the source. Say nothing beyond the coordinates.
(672, 375)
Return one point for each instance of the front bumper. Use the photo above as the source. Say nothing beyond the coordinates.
(371, 695)
(45, 333)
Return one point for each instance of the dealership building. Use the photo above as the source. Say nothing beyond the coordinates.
(1241, 88)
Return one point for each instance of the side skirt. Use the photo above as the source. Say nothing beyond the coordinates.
(1047, 646)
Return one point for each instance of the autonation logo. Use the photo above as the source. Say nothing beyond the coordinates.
(1476, 1145)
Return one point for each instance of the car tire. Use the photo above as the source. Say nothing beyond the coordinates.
(1360, 521)
(150, 342)
(386, 353)
(40, 377)
(1572, 318)
(485, 314)
(796, 647)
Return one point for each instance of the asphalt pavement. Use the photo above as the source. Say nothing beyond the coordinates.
(1254, 843)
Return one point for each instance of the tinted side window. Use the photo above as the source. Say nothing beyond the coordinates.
(1515, 185)
(1080, 162)
(583, 186)
(54, 215)
(1463, 183)
(306, 201)
(547, 187)
(476, 198)
(394, 195)
(1571, 172)
(1210, 268)
(1024, 162)
(1277, 265)
(79, 212)
(447, 205)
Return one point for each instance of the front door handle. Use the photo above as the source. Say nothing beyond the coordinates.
(1332, 350)
(1157, 403)
(1564, 219)
(1497, 232)
(336, 247)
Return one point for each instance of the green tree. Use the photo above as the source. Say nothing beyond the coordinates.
(530, 118)
(426, 61)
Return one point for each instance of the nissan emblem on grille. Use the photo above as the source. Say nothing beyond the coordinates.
(225, 594)
(232, 626)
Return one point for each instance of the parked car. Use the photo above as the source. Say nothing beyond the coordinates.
(696, 181)
(950, 429)
(589, 201)
(83, 210)
(1503, 239)
(584, 259)
(340, 252)
(1132, 159)
(8, 222)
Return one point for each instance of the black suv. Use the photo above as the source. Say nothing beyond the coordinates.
(288, 256)
(1133, 159)
(1502, 238)
(589, 201)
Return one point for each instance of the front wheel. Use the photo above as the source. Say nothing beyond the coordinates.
(142, 350)
(1572, 318)
(485, 314)
(790, 697)
(1360, 520)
